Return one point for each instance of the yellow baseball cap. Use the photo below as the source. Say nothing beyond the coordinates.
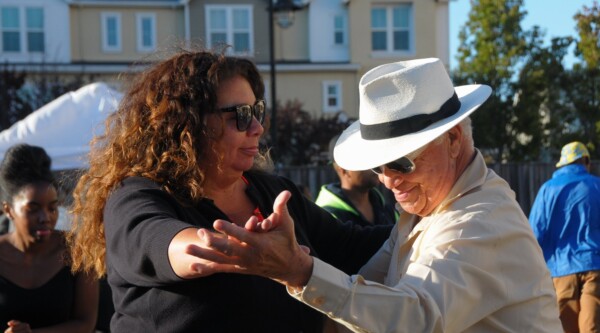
(571, 152)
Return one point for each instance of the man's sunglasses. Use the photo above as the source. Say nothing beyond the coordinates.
(245, 112)
(403, 165)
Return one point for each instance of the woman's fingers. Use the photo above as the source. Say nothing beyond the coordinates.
(210, 261)
(280, 205)
(230, 229)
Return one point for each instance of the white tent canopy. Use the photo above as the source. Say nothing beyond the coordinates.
(65, 126)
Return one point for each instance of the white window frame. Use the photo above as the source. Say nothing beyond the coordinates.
(140, 17)
(326, 95)
(22, 30)
(343, 30)
(389, 30)
(105, 46)
(229, 30)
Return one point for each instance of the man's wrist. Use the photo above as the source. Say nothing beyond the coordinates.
(303, 274)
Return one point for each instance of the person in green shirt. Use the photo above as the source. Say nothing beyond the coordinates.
(355, 197)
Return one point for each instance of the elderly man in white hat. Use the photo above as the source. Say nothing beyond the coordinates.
(462, 257)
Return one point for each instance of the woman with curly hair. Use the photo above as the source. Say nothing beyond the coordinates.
(37, 288)
(181, 151)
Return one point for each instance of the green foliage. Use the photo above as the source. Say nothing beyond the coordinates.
(12, 106)
(537, 106)
(21, 94)
(301, 138)
(540, 106)
(584, 80)
(492, 44)
(588, 28)
(46, 88)
(583, 97)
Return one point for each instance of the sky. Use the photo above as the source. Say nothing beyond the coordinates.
(553, 16)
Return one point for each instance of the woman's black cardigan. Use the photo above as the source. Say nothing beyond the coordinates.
(141, 219)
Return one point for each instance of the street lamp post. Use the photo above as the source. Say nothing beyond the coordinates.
(284, 9)
(272, 70)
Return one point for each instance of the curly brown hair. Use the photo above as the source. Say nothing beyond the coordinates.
(158, 132)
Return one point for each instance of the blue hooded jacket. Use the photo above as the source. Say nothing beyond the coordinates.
(565, 218)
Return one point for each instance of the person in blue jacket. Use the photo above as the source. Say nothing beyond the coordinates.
(565, 218)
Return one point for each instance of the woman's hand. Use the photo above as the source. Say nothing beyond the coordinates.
(187, 254)
(274, 254)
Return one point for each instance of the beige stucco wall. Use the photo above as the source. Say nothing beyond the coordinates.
(197, 26)
(86, 32)
(425, 32)
(291, 44)
(306, 86)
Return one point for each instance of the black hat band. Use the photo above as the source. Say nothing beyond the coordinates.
(411, 124)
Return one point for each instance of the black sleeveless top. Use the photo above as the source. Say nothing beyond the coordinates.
(49, 304)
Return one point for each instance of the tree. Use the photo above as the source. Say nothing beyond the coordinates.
(301, 138)
(584, 92)
(540, 86)
(588, 28)
(492, 44)
(45, 88)
(21, 94)
(12, 106)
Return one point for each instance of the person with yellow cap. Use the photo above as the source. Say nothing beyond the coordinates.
(565, 218)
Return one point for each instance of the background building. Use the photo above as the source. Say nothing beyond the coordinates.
(319, 57)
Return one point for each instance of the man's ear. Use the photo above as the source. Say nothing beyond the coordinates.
(344, 171)
(587, 162)
(455, 138)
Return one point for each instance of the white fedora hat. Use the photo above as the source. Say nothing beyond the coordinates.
(404, 106)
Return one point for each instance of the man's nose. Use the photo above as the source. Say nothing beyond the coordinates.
(389, 178)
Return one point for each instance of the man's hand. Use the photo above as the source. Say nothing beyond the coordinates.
(272, 252)
(15, 326)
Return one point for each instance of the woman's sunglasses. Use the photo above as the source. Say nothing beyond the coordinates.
(403, 165)
(245, 112)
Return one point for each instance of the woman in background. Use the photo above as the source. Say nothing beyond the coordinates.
(37, 289)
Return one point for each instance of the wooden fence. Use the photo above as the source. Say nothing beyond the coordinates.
(524, 178)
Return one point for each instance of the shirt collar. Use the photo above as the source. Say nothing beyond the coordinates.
(574, 169)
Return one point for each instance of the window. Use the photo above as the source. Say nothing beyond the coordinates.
(339, 30)
(146, 32)
(34, 18)
(111, 32)
(19, 31)
(11, 36)
(332, 96)
(231, 25)
(391, 28)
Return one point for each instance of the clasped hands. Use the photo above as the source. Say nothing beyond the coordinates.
(267, 248)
